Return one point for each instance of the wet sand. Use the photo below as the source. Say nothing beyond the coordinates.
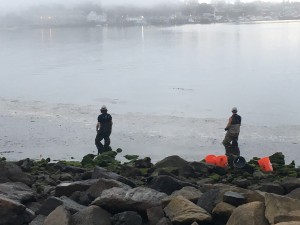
(33, 129)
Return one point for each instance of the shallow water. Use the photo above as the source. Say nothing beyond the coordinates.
(188, 71)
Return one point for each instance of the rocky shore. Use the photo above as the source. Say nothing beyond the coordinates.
(101, 190)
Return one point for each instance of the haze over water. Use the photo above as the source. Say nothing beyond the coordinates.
(188, 71)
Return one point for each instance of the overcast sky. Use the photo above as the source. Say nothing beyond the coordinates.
(12, 5)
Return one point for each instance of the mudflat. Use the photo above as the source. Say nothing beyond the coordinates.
(34, 129)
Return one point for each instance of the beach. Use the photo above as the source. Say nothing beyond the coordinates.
(36, 129)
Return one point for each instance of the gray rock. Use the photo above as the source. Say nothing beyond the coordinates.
(102, 184)
(259, 175)
(72, 206)
(52, 203)
(17, 191)
(25, 164)
(272, 188)
(294, 194)
(92, 215)
(127, 218)
(234, 198)
(155, 214)
(11, 172)
(81, 197)
(183, 211)
(100, 172)
(167, 184)
(28, 215)
(243, 183)
(136, 199)
(49, 205)
(223, 211)
(291, 184)
(34, 206)
(184, 168)
(65, 177)
(164, 221)
(289, 217)
(277, 205)
(202, 167)
(39, 220)
(12, 212)
(60, 216)
(248, 214)
(209, 199)
(190, 193)
(289, 223)
(68, 188)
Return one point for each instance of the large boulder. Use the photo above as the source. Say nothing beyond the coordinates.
(168, 184)
(289, 217)
(155, 214)
(252, 213)
(234, 198)
(38, 220)
(60, 216)
(100, 172)
(294, 194)
(183, 167)
(52, 203)
(102, 184)
(209, 199)
(136, 199)
(14, 213)
(190, 193)
(17, 191)
(92, 215)
(291, 184)
(12, 172)
(183, 211)
(223, 211)
(127, 218)
(274, 188)
(68, 188)
(277, 205)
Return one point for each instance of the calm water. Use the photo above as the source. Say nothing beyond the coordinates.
(193, 70)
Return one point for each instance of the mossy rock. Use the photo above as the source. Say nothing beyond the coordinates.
(107, 159)
(131, 157)
(278, 158)
(215, 177)
(88, 161)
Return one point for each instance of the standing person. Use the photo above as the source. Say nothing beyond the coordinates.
(230, 141)
(103, 129)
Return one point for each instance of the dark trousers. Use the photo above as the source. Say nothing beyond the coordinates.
(100, 136)
(230, 143)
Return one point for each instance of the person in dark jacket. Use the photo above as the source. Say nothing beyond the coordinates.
(230, 141)
(103, 129)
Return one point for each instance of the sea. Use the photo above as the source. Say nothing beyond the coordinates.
(163, 73)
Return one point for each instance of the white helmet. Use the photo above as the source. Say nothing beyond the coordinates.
(234, 109)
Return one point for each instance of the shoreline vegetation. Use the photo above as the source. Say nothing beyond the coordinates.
(173, 191)
(164, 14)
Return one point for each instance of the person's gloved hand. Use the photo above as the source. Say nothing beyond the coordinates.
(226, 129)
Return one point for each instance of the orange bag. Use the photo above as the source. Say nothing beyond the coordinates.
(265, 164)
(210, 159)
(221, 161)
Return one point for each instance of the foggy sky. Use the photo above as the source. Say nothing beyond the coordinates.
(17, 5)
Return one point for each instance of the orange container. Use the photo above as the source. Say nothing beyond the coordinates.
(265, 164)
(221, 160)
(210, 159)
